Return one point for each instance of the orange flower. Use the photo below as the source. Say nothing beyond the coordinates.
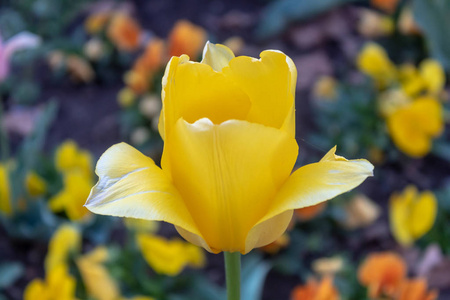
(382, 273)
(152, 59)
(309, 212)
(124, 32)
(388, 6)
(314, 290)
(415, 289)
(96, 22)
(186, 38)
(137, 81)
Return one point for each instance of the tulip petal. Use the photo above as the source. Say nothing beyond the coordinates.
(318, 182)
(270, 83)
(131, 185)
(217, 56)
(268, 231)
(227, 175)
(422, 214)
(194, 90)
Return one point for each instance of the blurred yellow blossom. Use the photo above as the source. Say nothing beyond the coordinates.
(59, 285)
(126, 97)
(374, 61)
(325, 88)
(412, 214)
(35, 184)
(406, 23)
(373, 24)
(74, 194)
(99, 284)
(328, 265)
(96, 22)
(186, 38)
(79, 69)
(64, 242)
(314, 290)
(391, 100)
(433, 75)
(169, 257)
(94, 49)
(360, 212)
(413, 127)
(382, 273)
(5, 190)
(141, 225)
(69, 157)
(124, 32)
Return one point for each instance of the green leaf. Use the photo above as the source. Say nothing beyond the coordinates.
(9, 273)
(432, 17)
(254, 272)
(279, 14)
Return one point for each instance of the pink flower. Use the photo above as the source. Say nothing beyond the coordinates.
(20, 41)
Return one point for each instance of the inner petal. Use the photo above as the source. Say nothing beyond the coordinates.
(199, 92)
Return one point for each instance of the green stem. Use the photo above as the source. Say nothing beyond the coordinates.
(233, 275)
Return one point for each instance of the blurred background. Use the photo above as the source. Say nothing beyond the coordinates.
(79, 76)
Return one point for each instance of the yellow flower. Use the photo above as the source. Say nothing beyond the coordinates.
(69, 157)
(169, 257)
(35, 184)
(411, 214)
(413, 127)
(99, 284)
(75, 192)
(126, 97)
(374, 61)
(59, 285)
(5, 190)
(325, 88)
(391, 100)
(65, 241)
(96, 22)
(141, 225)
(433, 75)
(228, 125)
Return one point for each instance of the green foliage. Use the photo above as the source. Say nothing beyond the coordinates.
(279, 14)
(432, 17)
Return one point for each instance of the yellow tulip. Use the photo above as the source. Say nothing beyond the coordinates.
(414, 126)
(59, 285)
(35, 184)
(412, 214)
(65, 241)
(71, 198)
(228, 125)
(5, 191)
(169, 257)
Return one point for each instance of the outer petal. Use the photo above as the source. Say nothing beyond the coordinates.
(270, 83)
(131, 185)
(194, 90)
(317, 182)
(227, 175)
